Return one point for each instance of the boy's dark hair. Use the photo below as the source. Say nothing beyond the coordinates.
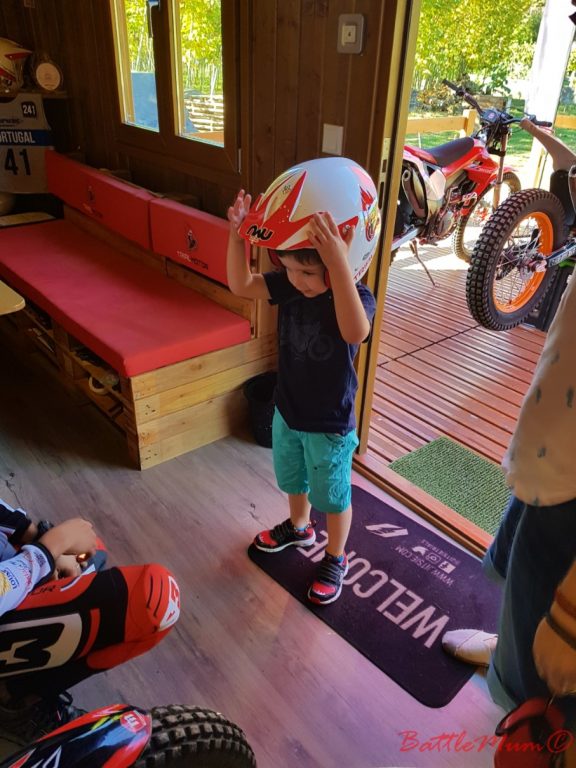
(302, 255)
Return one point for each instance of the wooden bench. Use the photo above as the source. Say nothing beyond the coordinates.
(127, 296)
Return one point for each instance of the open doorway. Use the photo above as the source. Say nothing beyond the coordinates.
(435, 372)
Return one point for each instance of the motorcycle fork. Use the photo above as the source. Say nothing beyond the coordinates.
(498, 183)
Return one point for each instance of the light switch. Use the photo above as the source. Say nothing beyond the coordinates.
(332, 139)
(350, 33)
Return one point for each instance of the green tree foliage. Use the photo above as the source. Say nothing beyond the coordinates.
(199, 35)
(484, 41)
(201, 41)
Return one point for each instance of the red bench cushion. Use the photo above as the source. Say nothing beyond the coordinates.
(132, 316)
(194, 238)
(119, 206)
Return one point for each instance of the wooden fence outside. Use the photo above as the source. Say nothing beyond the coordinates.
(465, 124)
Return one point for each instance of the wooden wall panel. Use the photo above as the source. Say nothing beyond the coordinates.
(287, 76)
(336, 66)
(74, 36)
(262, 96)
(312, 73)
(94, 78)
(364, 92)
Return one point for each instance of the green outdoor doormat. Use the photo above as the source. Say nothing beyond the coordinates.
(472, 486)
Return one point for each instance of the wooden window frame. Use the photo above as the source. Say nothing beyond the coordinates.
(198, 157)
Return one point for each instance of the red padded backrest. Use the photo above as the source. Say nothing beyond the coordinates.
(116, 205)
(194, 238)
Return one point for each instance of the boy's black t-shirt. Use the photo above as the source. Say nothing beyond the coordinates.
(317, 382)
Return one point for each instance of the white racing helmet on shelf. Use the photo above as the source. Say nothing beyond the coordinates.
(278, 219)
(12, 58)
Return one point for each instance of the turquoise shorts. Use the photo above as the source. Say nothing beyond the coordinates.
(316, 463)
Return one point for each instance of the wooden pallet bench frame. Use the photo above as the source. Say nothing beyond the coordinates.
(174, 408)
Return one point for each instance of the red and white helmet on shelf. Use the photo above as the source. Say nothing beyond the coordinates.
(279, 218)
(12, 57)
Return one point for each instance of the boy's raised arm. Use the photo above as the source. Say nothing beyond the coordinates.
(333, 249)
(241, 280)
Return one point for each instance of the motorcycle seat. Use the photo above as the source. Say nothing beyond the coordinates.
(445, 154)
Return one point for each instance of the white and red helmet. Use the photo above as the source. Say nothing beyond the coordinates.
(278, 219)
(12, 57)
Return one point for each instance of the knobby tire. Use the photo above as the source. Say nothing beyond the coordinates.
(193, 737)
(488, 256)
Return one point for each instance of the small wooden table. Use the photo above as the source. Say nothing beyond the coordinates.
(10, 301)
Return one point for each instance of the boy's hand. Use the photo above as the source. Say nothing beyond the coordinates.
(74, 537)
(238, 212)
(67, 566)
(325, 237)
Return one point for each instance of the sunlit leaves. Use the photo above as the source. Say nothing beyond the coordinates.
(486, 41)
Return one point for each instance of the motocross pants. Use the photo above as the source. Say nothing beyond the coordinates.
(69, 629)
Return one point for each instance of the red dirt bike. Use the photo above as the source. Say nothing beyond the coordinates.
(518, 255)
(120, 736)
(453, 188)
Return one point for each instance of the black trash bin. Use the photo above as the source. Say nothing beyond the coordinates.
(259, 392)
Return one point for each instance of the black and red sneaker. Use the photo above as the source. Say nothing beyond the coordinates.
(327, 585)
(285, 535)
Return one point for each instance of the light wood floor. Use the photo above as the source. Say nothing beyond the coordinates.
(243, 645)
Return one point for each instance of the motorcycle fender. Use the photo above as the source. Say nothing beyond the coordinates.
(112, 736)
(482, 177)
(485, 177)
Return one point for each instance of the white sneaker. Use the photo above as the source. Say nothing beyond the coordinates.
(470, 645)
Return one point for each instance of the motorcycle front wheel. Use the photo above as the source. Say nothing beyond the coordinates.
(193, 737)
(469, 227)
(502, 285)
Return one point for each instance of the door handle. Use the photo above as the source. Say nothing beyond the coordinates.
(150, 5)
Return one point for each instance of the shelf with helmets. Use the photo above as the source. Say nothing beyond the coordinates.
(45, 75)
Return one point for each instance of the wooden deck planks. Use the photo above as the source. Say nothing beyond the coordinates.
(439, 373)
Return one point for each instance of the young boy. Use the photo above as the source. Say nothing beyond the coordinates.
(323, 317)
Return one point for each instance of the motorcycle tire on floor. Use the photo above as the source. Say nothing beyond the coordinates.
(479, 215)
(496, 260)
(194, 737)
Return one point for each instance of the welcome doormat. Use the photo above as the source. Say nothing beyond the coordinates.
(467, 483)
(405, 587)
